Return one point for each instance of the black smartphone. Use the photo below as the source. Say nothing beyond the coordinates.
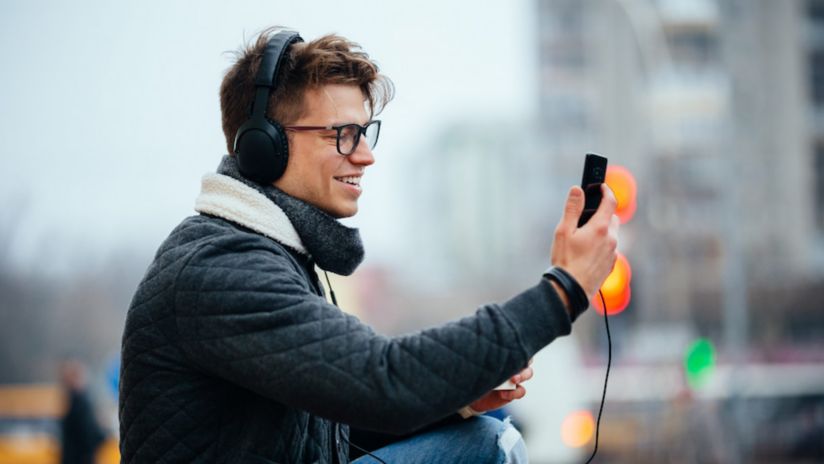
(595, 171)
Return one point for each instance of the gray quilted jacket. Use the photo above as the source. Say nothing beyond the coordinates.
(232, 354)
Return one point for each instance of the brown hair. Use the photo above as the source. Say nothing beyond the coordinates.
(330, 59)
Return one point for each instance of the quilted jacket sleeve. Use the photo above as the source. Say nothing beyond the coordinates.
(244, 313)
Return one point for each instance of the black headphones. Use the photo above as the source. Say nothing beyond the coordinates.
(261, 146)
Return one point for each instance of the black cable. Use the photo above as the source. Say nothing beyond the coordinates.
(363, 450)
(335, 302)
(606, 378)
(331, 292)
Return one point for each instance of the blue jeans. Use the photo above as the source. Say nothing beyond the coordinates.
(479, 440)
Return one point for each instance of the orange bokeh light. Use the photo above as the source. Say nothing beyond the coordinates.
(622, 183)
(577, 429)
(616, 288)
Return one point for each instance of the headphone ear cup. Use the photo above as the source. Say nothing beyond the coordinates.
(262, 150)
(261, 146)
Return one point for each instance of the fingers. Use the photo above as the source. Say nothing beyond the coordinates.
(572, 209)
(510, 395)
(607, 207)
(522, 376)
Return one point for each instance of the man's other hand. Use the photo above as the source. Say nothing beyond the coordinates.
(500, 398)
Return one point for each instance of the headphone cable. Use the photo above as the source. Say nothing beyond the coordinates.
(363, 450)
(606, 378)
(335, 302)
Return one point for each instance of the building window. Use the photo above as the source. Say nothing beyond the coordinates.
(815, 9)
(817, 77)
(818, 202)
(697, 48)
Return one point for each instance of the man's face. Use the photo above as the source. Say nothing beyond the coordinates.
(316, 170)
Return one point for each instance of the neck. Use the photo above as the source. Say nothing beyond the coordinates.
(332, 245)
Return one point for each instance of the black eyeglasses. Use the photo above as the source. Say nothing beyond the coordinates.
(348, 135)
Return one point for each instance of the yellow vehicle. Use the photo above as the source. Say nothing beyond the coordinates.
(29, 426)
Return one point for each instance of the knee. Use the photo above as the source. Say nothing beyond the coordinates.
(503, 441)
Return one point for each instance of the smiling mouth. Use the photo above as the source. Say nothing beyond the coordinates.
(351, 180)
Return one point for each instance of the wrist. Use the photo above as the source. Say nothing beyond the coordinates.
(466, 412)
(576, 298)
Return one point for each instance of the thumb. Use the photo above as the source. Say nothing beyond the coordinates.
(573, 208)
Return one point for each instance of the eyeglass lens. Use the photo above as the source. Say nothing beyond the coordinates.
(350, 134)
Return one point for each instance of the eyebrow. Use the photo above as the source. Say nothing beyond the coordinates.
(326, 127)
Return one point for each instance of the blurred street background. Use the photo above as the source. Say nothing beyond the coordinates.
(711, 113)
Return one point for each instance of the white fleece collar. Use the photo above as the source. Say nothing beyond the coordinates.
(235, 201)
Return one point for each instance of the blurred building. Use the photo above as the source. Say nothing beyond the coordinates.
(712, 104)
(485, 187)
(813, 38)
(717, 107)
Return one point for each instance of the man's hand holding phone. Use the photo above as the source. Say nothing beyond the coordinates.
(588, 252)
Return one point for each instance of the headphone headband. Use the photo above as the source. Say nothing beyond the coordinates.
(273, 56)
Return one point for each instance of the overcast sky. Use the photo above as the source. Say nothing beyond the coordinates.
(110, 112)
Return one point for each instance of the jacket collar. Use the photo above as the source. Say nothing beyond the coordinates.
(285, 219)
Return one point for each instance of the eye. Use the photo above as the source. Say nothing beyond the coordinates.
(348, 132)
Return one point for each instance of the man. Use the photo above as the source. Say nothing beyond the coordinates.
(231, 353)
(80, 435)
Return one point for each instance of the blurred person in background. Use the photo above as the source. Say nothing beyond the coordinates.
(231, 352)
(81, 435)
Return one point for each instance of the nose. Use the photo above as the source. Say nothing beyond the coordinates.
(362, 156)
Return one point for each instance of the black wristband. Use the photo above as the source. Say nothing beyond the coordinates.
(578, 300)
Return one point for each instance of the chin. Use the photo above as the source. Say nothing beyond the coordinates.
(343, 211)
(347, 214)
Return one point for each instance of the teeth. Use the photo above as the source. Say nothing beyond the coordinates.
(350, 180)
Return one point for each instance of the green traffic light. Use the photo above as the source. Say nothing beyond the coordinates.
(699, 362)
